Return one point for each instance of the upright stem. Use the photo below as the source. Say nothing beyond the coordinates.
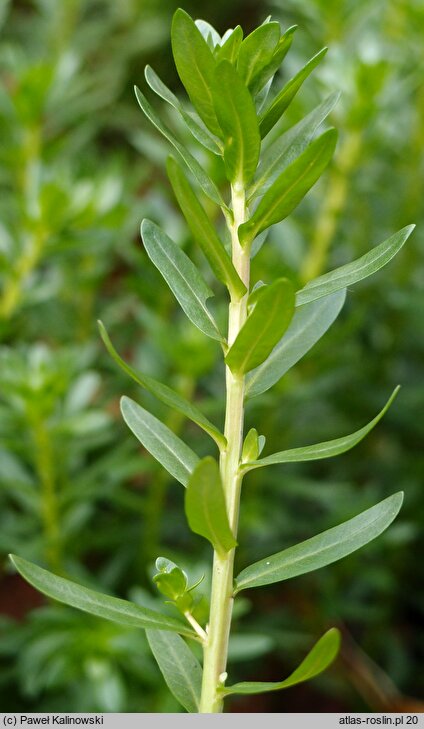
(216, 646)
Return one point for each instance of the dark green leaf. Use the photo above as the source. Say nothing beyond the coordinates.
(180, 668)
(182, 277)
(104, 606)
(160, 441)
(318, 659)
(195, 65)
(327, 449)
(289, 146)
(230, 48)
(203, 230)
(205, 506)
(323, 549)
(290, 187)
(264, 327)
(164, 393)
(355, 271)
(208, 187)
(236, 114)
(280, 52)
(198, 130)
(256, 51)
(279, 105)
(308, 325)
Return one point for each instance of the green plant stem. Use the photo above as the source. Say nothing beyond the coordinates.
(216, 645)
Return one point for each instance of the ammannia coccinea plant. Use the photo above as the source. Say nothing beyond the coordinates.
(271, 325)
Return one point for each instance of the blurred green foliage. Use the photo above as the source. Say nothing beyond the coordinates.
(79, 168)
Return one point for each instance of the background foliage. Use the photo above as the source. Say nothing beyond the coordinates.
(79, 169)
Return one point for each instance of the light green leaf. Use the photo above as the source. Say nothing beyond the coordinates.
(160, 441)
(256, 51)
(273, 113)
(318, 659)
(236, 114)
(323, 549)
(209, 33)
(198, 130)
(205, 506)
(104, 606)
(180, 668)
(328, 449)
(205, 182)
(280, 52)
(203, 230)
(250, 450)
(182, 277)
(264, 327)
(195, 65)
(308, 325)
(356, 271)
(289, 146)
(230, 48)
(170, 579)
(290, 187)
(164, 393)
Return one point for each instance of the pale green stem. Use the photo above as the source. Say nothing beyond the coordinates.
(216, 646)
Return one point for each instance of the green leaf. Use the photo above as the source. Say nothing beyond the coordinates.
(356, 271)
(250, 451)
(267, 72)
(256, 51)
(195, 65)
(328, 449)
(205, 182)
(104, 606)
(323, 549)
(264, 327)
(318, 659)
(203, 230)
(198, 130)
(236, 114)
(308, 325)
(164, 393)
(170, 580)
(289, 146)
(290, 187)
(205, 506)
(279, 105)
(182, 277)
(160, 441)
(180, 668)
(209, 33)
(230, 48)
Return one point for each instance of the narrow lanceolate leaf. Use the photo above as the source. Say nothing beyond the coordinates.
(230, 47)
(318, 659)
(180, 668)
(236, 114)
(104, 606)
(195, 65)
(327, 449)
(203, 230)
(264, 327)
(178, 459)
(198, 130)
(323, 549)
(182, 277)
(267, 72)
(206, 508)
(355, 271)
(164, 393)
(308, 325)
(205, 182)
(289, 146)
(256, 51)
(277, 108)
(290, 187)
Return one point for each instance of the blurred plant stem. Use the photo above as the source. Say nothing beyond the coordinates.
(155, 504)
(335, 200)
(46, 472)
